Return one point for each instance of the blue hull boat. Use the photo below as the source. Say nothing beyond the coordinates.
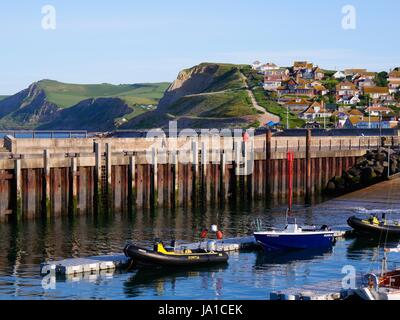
(281, 241)
(295, 238)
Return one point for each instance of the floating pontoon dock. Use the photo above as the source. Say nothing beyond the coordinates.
(117, 261)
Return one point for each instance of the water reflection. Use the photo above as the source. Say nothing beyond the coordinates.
(157, 280)
(291, 257)
(250, 275)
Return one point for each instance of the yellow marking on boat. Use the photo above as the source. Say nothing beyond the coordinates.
(193, 258)
(189, 253)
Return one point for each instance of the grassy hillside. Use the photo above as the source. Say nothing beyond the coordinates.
(92, 114)
(66, 95)
(275, 108)
(210, 93)
(41, 104)
(218, 105)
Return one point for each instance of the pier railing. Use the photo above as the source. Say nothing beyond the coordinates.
(44, 134)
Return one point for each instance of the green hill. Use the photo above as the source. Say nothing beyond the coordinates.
(209, 94)
(41, 105)
(66, 95)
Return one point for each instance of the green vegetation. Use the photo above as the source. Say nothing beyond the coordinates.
(330, 84)
(226, 77)
(328, 73)
(273, 107)
(3, 97)
(381, 79)
(397, 96)
(217, 105)
(214, 95)
(66, 95)
(95, 107)
(254, 79)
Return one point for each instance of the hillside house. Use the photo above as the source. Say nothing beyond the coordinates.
(347, 93)
(268, 66)
(302, 65)
(272, 83)
(319, 89)
(297, 105)
(315, 111)
(353, 72)
(362, 82)
(378, 93)
(256, 65)
(292, 87)
(340, 118)
(339, 75)
(355, 113)
(281, 72)
(369, 123)
(378, 111)
(394, 82)
(306, 71)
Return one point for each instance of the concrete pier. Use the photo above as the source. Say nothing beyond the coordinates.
(51, 177)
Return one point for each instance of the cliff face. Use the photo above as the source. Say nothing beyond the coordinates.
(204, 96)
(189, 81)
(91, 114)
(26, 109)
(49, 104)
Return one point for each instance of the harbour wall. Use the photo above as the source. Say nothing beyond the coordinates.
(53, 177)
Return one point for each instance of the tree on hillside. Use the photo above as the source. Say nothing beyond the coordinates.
(381, 79)
(397, 96)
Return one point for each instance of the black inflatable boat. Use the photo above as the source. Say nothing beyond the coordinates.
(374, 228)
(185, 258)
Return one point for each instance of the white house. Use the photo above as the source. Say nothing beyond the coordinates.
(339, 75)
(376, 111)
(315, 111)
(268, 67)
(256, 65)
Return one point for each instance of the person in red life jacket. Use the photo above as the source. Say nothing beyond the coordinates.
(220, 235)
(246, 136)
(204, 234)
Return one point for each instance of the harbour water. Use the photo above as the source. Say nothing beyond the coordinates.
(249, 275)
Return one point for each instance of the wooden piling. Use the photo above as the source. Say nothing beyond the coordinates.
(222, 173)
(18, 189)
(154, 179)
(108, 183)
(132, 194)
(203, 173)
(195, 170)
(175, 180)
(98, 189)
(308, 167)
(73, 192)
(46, 205)
(237, 170)
(267, 171)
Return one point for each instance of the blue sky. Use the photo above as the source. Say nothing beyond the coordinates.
(128, 41)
